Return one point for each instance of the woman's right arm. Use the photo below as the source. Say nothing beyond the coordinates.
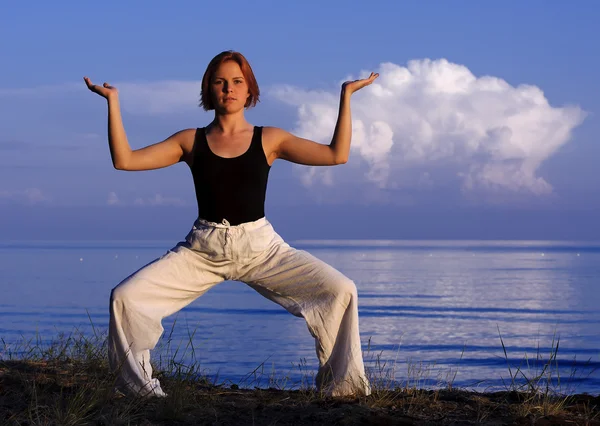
(159, 155)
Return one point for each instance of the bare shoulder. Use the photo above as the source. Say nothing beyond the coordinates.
(274, 133)
(185, 138)
(273, 136)
(271, 139)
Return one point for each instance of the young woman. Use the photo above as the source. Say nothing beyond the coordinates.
(231, 239)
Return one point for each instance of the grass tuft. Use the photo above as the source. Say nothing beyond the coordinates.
(66, 381)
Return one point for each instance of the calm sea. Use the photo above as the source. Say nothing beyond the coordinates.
(430, 311)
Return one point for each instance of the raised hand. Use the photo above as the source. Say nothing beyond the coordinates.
(106, 90)
(350, 87)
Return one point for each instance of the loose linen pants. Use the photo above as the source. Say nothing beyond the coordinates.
(252, 253)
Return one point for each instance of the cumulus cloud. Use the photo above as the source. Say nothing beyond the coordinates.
(25, 196)
(433, 124)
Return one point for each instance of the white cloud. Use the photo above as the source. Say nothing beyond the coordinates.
(433, 124)
(25, 196)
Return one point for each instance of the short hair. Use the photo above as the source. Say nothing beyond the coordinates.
(206, 101)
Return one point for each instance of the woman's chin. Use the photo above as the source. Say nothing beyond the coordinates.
(229, 109)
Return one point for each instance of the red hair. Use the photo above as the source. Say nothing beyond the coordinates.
(229, 55)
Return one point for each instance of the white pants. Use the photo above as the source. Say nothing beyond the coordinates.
(252, 253)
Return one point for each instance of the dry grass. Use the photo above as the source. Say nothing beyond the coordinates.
(67, 382)
(543, 392)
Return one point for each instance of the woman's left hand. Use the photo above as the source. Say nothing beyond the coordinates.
(350, 87)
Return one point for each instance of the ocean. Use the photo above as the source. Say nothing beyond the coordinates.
(466, 314)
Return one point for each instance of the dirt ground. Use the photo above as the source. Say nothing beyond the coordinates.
(45, 393)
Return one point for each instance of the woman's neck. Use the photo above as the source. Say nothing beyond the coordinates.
(228, 124)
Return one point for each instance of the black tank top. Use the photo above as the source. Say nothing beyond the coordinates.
(230, 188)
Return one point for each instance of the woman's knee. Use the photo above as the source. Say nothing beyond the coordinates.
(124, 292)
(135, 285)
(345, 290)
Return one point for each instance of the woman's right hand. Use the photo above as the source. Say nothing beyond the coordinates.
(106, 90)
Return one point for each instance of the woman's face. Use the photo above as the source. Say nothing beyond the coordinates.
(229, 89)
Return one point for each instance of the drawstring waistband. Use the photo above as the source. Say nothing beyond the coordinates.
(225, 224)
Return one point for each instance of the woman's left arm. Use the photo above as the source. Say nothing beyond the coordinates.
(303, 151)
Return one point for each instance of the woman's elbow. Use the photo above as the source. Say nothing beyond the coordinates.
(119, 165)
(122, 162)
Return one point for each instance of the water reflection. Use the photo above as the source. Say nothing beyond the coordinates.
(446, 304)
(475, 297)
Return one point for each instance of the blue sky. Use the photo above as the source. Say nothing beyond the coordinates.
(483, 124)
